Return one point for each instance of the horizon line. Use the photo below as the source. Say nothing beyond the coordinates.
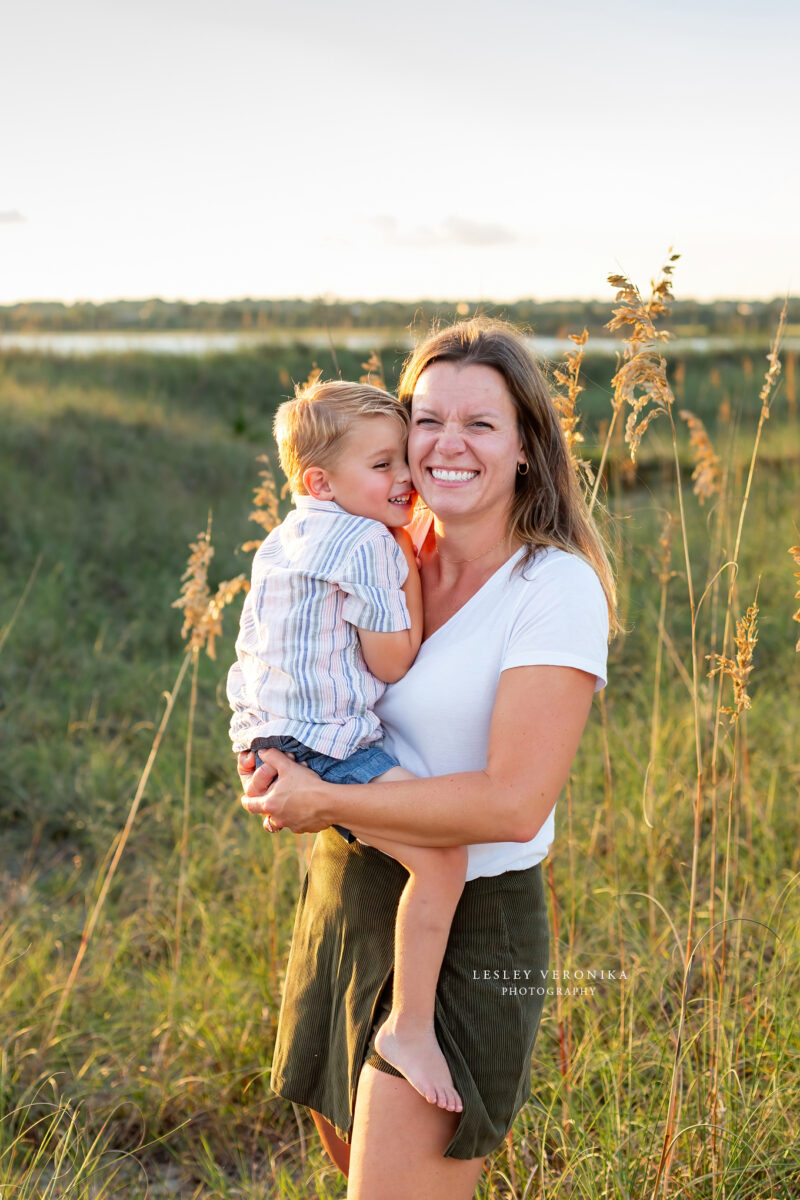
(328, 298)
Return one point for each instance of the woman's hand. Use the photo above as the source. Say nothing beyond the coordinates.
(290, 794)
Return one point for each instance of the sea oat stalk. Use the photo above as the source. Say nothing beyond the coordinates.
(641, 374)
(766, 395)
(664, 574)
(122, 840)
(373, 371)
(6, 630)
(568, 379)
(641, 378)
(641, 382)
(202, 624)
(738, 669)
(184, 851)
(795, 553)
(265, 498)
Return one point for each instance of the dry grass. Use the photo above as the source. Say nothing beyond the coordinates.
(141, 989)
(795, 553)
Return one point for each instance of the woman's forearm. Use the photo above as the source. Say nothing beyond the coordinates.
(537, 722)
(449, 810)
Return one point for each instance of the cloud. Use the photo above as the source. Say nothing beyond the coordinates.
(463, 232)
(11, 216)
(452, 231)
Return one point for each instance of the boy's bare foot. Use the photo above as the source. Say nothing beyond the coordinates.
(416, 1055)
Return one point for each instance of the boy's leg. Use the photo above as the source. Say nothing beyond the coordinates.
(424, 915)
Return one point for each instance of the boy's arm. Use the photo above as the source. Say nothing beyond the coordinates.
(389, 655)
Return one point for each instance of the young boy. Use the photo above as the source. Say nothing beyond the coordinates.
(333, 615)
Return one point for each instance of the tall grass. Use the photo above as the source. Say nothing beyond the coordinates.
(673, 876)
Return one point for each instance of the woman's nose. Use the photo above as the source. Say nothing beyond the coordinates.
(450, 439)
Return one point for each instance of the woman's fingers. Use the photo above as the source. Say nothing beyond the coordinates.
(283, 791)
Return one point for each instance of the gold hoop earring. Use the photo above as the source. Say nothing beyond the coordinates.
(526, 465)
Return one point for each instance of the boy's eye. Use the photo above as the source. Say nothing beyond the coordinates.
(380, 466)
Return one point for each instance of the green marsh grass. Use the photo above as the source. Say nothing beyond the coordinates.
(155, 1075)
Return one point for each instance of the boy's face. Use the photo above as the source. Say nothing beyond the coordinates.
(369, 476)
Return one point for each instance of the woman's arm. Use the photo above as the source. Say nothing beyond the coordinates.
(537, 721)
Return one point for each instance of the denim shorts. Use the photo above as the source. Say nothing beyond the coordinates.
(363, 765)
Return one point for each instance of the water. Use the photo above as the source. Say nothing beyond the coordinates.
(188, 343)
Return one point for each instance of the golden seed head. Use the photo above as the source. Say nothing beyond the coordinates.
(707, 474)
(738, 669)
(662, 570)
(641, 378)
(568, 379)
(774, 369)
(373, 369)
(265, 498)
(202, 612)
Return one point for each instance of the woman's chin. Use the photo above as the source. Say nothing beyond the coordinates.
(446, 502)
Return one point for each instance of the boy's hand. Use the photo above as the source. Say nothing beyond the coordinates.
(246, 764)
(261, 778)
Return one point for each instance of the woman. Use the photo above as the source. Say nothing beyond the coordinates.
(517, 597)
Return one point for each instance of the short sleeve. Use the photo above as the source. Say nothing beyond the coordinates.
(373, 580)
(561, 618)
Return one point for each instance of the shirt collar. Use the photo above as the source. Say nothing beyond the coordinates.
(311, 504)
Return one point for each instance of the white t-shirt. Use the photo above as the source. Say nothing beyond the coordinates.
(436, 718)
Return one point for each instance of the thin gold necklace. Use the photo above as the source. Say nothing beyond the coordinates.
(458, 561)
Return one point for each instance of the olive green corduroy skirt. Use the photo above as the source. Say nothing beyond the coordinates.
(338, 989)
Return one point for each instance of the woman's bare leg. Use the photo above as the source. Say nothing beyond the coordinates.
(422, 927)
(398, 1145)
(338, 1150)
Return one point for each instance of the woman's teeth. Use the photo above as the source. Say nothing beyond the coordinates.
(452, 476)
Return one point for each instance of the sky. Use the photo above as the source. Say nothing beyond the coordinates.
(484, 151)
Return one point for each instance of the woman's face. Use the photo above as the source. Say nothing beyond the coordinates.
(464, 444)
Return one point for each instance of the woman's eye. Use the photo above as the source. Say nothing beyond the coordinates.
(425, 421)
(481, 424)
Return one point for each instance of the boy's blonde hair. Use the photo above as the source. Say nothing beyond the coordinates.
(309, 428)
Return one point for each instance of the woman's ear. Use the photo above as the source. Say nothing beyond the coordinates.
(317, 484)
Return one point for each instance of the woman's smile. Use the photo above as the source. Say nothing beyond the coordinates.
(445, 475)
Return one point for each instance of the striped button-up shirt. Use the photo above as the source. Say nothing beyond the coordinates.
(300, 673)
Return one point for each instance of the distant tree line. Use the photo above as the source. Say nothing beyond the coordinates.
(547, 317)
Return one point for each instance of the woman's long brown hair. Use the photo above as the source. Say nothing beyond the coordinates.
(549, 507)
